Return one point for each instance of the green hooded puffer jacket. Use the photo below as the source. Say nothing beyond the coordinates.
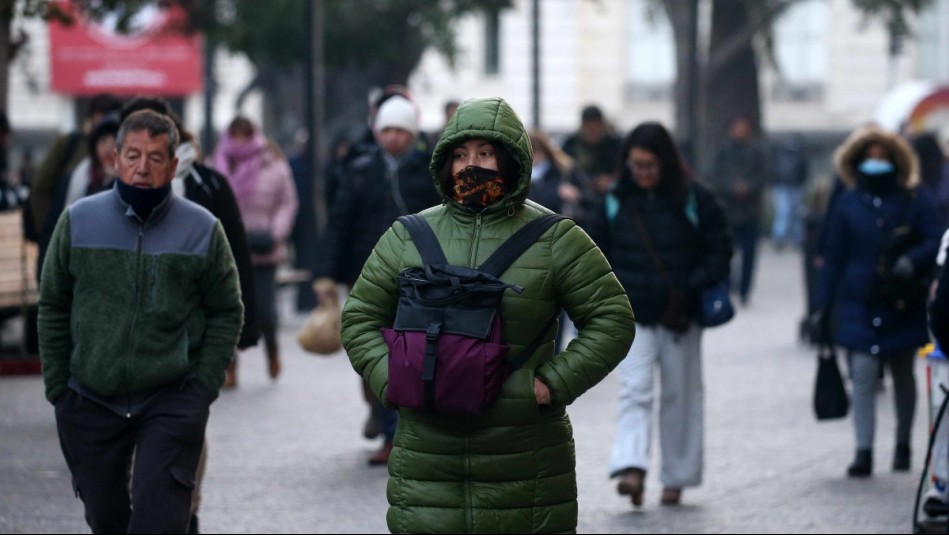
(511, 469)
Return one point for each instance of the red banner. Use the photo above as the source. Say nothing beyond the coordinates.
(154, 57)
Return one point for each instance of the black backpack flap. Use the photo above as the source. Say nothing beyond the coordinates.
(462, 300)
(465, 321)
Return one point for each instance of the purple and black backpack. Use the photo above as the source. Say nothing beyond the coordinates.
(446, 353)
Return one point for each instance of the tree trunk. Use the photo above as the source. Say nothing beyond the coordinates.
(732, 88)
(684, 18)
(5, 44)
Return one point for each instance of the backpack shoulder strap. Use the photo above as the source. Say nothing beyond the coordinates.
(424, 238)
(515, 246)
(612, 207)
(692, 208)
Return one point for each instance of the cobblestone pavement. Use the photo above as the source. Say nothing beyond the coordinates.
(288, 456)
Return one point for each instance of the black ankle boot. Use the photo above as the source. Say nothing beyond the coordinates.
(862, 465)
(901, 457)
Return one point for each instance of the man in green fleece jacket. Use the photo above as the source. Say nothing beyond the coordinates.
(140, 311)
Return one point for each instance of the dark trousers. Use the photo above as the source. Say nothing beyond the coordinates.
(166, 436)
(746, 237)
(265, 288)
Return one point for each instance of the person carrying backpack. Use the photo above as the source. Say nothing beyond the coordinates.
(666, 236)
(500, 458)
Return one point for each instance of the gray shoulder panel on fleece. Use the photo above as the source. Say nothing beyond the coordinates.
(100, 222)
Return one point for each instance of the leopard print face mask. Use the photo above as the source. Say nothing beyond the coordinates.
(478, 187)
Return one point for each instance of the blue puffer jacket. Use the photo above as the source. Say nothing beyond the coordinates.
(857, 228)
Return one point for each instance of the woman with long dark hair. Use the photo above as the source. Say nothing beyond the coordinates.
(666, 237)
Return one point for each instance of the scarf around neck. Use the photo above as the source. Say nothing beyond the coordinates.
(240, 162)
(142, 200)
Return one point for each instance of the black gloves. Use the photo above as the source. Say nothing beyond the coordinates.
(819, 325)
(903, 268)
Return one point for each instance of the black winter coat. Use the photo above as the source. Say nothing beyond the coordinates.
(695, 257)
(736, 162)
(210, 189)
(368, 201)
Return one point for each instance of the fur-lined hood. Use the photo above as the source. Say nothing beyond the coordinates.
(850, 153)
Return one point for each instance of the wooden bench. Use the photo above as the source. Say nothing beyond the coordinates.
(18, 288)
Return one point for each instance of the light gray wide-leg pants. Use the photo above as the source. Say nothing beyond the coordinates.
(681, 405)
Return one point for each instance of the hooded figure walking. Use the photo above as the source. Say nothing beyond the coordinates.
(512, 468)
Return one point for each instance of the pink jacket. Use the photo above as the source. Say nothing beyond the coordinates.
(272, 207)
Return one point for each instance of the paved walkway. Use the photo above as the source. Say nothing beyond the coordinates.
(288, 457)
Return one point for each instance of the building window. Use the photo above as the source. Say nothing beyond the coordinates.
(933, 42)
(651, 70)
(800, 50)
(492, 42)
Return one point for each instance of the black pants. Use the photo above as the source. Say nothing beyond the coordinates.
(166, 436)
(746, 237)
(265, 287)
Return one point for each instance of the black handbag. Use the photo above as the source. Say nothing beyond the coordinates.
(260, 242)
(717, 308)
(830, 395)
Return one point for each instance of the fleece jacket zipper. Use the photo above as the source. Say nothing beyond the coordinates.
(139, 261)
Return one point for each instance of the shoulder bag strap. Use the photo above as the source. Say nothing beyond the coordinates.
(424, 238)
(515, 246)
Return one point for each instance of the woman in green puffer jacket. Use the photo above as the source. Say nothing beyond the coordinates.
(512, 468)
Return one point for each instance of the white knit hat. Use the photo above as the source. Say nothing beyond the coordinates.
(397, 112)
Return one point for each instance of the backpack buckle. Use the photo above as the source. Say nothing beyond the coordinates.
(433, 331)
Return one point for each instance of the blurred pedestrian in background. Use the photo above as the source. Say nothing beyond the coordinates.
(594, 148)
(447, 110)
(62, 157)
(739, 175)
(666, 237)
(260, 177)
(882, 235)
(389, 179)
(554, 182)
(510, 469)
(95, 172)
(365, 141)
(933, 169)
(139, 313)
(790, 173)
